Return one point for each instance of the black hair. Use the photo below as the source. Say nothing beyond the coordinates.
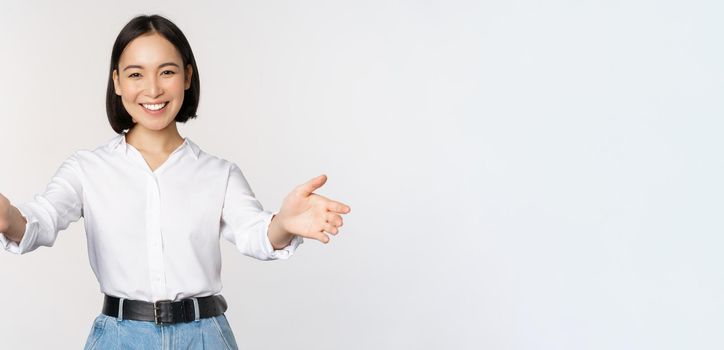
(117, 114)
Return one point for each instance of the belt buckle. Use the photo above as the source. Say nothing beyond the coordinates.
(158, 305)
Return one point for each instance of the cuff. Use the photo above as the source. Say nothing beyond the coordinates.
(31, 231)
(283, 253)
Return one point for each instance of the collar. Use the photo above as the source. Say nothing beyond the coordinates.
(118, 143)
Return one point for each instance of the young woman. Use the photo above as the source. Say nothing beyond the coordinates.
(155, 205)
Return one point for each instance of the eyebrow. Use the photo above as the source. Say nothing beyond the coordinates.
(159, 66)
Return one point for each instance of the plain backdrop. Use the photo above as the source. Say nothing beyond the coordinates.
(522, 174)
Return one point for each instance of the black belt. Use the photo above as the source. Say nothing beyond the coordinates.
(166, 311)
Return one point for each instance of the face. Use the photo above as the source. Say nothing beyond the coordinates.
(151, 81)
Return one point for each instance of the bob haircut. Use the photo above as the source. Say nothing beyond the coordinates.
(117, 114)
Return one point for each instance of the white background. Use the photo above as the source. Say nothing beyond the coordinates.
(522, 174)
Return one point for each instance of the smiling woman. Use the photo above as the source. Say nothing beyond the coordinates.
(151, 63)
(155, 205)
(151, 82)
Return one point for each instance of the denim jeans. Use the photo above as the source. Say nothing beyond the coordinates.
(109, 333)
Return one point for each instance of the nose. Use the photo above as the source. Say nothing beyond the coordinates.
(153, 89)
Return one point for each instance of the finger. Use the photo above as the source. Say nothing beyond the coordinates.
(338, 207)
(334, 219)
(331, 229)
(312, 185)
(320, 236)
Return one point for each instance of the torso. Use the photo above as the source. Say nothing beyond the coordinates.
(154, 161)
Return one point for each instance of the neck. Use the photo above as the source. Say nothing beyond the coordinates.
(154, 141)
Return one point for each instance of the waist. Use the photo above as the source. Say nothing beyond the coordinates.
(165, 311)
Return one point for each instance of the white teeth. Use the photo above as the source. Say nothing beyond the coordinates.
(154, 107)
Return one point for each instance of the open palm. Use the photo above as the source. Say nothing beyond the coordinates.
(310, 215)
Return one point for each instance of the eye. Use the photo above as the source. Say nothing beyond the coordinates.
(170, 72)
(134, 75)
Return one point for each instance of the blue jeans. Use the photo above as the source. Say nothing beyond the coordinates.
(109, 333)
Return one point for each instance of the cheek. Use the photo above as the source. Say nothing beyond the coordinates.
(128, 99)
(130, 93)
(175, 85)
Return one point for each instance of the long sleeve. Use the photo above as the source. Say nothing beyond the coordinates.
(51, 211)
(246, 224)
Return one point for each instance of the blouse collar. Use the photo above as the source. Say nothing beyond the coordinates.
(119, 144)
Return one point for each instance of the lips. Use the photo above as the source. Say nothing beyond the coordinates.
(154, 107)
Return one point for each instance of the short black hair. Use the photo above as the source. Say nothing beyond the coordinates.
(117, 114)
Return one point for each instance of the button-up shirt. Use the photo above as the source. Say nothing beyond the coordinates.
(151, 234)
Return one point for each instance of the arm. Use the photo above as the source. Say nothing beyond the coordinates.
(12, 223)
(36, 223)
(254, 231)
(278, 237)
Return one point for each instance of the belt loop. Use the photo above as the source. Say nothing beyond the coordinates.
(196, 309)
(120, 309)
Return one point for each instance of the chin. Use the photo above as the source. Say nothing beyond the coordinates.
(155, 126)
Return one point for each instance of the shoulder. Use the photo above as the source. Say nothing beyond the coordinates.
(104, 149)
(206, 159)
(107, 152)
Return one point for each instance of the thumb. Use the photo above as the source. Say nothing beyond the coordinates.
(312, 185)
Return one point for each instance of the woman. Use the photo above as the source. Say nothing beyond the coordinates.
(155, 205)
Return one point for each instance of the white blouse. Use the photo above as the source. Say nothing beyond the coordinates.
(152, 235)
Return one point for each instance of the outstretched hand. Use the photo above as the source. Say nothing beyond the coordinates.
(310, 215)
(4, 214)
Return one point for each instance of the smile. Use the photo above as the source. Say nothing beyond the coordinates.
(154, 107)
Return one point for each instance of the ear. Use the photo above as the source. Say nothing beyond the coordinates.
(189, 73)
(116, 84)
